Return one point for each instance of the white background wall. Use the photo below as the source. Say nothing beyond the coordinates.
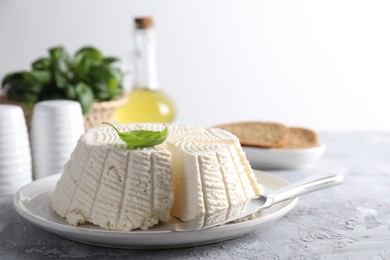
(321, 64)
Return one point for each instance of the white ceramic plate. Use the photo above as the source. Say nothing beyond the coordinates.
(274, 158)
(32, 202)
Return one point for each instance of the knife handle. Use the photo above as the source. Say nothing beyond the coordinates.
(306, 185)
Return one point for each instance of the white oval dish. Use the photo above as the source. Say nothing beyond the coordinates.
(32, 202)
(283, 159)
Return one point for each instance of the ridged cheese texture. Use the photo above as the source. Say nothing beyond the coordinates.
(194, 172)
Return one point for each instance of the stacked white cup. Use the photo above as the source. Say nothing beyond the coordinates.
(56, 126)
(15, 154)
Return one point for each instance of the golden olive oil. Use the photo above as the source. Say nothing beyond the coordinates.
(146, 105)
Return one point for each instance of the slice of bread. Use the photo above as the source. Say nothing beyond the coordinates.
(272, 135)
(258, 134)
(299, 137)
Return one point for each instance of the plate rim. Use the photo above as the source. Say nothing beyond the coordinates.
(283, 159)
(291, 150)
(61, 228)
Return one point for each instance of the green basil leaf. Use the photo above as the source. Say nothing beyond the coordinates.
(70, 92)
(31, 84)
(10, 78)
(101, 90)
(30, 99)
(91, 54)
(61, 80)
(84, 59)
(21, 91)
(16, 93)
(85, 96)
(59, 66)
(60, 58)
(41, 64)
(116, 73)
(110, 60)
(118, 90)
(37, 78)
(141, 138)
(104, 81)
(112, 85)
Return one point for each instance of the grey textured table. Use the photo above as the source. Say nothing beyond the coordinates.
(351, 221)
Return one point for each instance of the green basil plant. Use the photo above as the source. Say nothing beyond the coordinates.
(85, 77)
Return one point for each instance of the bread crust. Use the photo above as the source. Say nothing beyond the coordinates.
(300, 137)
(258, 134)
(271, 135)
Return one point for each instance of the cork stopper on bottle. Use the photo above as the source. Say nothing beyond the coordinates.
(143, 22)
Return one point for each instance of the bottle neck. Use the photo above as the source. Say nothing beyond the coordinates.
(145, 70)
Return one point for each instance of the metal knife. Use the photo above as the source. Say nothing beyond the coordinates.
(238, 211)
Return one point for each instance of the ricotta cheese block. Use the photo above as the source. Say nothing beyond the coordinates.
(106, 184)
(194, 172)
